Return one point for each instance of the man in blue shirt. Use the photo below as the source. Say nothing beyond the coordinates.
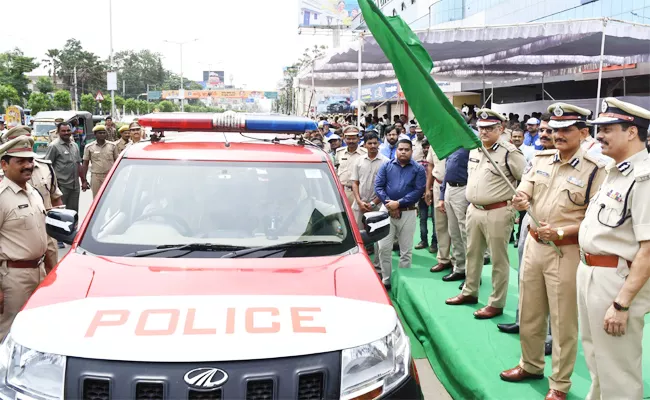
(389, 147)
(531, 138)
(399, 184)
(455, 204)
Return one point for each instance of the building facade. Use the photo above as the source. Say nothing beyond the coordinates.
(632, 80)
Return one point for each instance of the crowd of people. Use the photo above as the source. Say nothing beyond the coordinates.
(583, 226)
(31, 186)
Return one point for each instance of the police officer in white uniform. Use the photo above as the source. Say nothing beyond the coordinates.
(612, 278)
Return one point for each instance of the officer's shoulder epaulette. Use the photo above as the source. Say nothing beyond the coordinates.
(508, 146)
(545, 153)
(642, 171)
(363, 149)
(3, 185)
(340, 149)
(42, 161)
(595, 160)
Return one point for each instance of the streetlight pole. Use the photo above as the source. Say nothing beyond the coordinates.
(110, 29)
(182, 88)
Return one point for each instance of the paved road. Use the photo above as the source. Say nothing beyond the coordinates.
(431, 386)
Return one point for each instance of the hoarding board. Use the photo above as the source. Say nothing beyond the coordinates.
(314, 13)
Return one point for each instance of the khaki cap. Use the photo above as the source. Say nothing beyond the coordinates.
(123, 128)
(100, 127)
(487, 117)
(615, 111)
(351, 130)
(564, 115)
(418, 128)
(21, 146)
(20, 130)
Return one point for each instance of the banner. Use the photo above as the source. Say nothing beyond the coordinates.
(213, 80)
(315, 13)
(218, 94)
(377, 93)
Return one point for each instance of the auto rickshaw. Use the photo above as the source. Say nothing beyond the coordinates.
(44, 128)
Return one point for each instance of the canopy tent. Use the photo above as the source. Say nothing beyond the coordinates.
(494, 53)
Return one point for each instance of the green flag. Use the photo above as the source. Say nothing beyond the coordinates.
(441, 123)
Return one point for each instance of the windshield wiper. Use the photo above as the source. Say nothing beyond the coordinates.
(280, 246)
(184, 247)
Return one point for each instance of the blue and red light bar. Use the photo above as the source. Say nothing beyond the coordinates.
(227, 122)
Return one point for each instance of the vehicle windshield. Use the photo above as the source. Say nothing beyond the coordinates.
(43, 128)
(152, 203)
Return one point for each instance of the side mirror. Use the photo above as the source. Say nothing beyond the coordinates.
(376, 226)
(62, 224)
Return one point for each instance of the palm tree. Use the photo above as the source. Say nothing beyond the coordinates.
(52, 62)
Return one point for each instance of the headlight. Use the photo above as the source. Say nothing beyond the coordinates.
(378, 366)
(30, 372)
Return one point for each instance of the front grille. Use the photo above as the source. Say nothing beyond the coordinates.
(311, 377)
(310, 386)
(209, 395)
(259, 390)
(149, 391)
(96, 389)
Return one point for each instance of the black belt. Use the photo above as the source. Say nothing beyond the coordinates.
(456, 184)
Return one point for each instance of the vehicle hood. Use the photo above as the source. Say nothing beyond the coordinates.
(184, 310)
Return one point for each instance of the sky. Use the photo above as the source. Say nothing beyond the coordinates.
(252, 40)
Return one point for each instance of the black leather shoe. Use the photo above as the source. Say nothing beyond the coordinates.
(421, 246)
(508, 328)
(387, 286)
(548, 349)
(463, 284)
(486, 260)
(454, 276)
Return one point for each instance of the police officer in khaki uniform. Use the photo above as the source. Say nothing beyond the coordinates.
(347, 157)
(435, 175)
(43, 180)
(101, 155)
(23, 240)
(613, 286)
(490, 216)
(125, 138)
(558, 185)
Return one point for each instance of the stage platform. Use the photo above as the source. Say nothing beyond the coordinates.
(468, 354)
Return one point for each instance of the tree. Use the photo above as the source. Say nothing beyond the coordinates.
(137, 70)
(91, 72)
(88, 103)
(130, 105)
(39, 102)
(13, 69)
(9, 95)
(44, 85)
(62, 100)
(52, 62)
(173, 82)
(166, 106)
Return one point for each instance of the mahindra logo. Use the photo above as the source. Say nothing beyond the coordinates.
(205, 378)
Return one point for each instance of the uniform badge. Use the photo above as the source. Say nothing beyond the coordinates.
(474, 160)
(542, 173)
(558, 112)
(603, 106)
(614, 195)
(20, 207)
(484, 115)
(528, 168)
(576, 181)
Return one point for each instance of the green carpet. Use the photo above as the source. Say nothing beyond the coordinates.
(468, 354)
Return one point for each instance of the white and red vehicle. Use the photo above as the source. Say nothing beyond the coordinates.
(223, 263)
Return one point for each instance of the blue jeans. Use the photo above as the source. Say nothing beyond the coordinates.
(426, 211)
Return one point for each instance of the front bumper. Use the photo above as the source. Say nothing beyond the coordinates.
(409, 390)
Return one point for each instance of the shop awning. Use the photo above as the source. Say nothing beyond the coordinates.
(495, 53)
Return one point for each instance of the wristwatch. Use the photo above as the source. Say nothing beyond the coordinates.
(619, 307)
(560, 234)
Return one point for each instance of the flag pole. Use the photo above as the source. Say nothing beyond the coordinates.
(514, 190)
